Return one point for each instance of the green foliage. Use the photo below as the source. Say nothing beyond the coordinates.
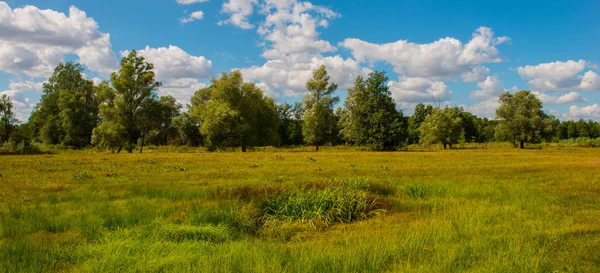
(7, 118)
(522, 119)
(188, 129)
(442, 126)
(319, 120)
(233, 113)
(370, 117)
(419, 115)
(21, 140)
(68, 110)
(134, 84)
(290, 128)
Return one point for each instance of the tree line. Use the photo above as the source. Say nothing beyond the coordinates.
(126, 113)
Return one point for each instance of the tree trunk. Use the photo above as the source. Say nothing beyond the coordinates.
(317, 147)
(521, 144)
(120, 147)
(142, 146)
(445, 146)
(243, 145)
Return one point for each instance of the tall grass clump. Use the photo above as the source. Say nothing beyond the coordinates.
(326, 206)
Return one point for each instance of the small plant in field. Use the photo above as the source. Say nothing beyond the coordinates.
(179, 168)
(312, 159)
(384, 168)
(279, 157)
(110, 174)
(423, 191)
(83, 175)
(150, 161)
(254, 166)
(318, 170)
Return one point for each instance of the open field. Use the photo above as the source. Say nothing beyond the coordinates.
(480, 210)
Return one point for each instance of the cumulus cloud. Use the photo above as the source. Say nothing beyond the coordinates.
(20, 94)
(293, 49)
(196, 15)
(34, 41)
(588, 112)
(239, 10)
(441, 59)
(477, 74)
(572, 97)
(485, 108)
(490, 87)
(188, 2)
(291, 27)
(416, 90)
(561, 76)
(178, 70)
(290, 74)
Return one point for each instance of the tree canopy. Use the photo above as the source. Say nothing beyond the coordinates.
(318, 104)
(522, 119)
(233, 113)
(370, 117)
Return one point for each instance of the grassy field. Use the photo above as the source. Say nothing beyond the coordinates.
(469, 210)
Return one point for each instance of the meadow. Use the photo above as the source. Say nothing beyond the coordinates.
(336, 210)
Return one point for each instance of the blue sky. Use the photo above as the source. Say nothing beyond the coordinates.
(456, 52)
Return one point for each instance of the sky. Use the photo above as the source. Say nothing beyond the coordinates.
(458, 53)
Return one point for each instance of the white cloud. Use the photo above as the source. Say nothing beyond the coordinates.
(416, 90)
(485, 108)
(290, 74)
(290, 27)
(477, 74)
(34, 41)
(178, 70)
(587, 112)
(441, 59)
(572, 97)
(239, 10)
(188, 2)
(20, 93)
(292, 47)
(560, 76)
(196, 15)
(490, 87)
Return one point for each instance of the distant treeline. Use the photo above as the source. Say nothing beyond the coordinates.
(125, 113)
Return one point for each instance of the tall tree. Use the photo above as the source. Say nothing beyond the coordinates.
(419, 115)
(442, 126)
(233, 113)
(68, 110)
(370, 117)
(522, 119)
(188, 129)
(290, 128)
(7, 118)
(319, 119)
(134, 83)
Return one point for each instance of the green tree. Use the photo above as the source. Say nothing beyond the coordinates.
(522, 119)
(68, 110)
(319, 120)
(370, 117)
(233, 113)
(188, 130)
(111, 132)
(290, 128)
(8, 120)
(442, 126)
(419, 115)
(134, 83)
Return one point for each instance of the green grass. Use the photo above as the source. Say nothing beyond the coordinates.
(337, 210)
